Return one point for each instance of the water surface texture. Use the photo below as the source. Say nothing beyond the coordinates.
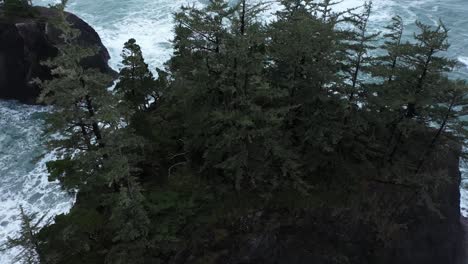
(23, 179)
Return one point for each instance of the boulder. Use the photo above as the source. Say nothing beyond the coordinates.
(27, 41)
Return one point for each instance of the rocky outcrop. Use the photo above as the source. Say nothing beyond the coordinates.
(384, 223)
(464, 255)
(426, 230)
(25, 42)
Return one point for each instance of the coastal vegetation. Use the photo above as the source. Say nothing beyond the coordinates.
(250, 125)
(17, 7)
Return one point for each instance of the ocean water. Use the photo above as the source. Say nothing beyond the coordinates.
(23, 179)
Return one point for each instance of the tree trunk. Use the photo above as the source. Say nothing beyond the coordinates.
(437, 135)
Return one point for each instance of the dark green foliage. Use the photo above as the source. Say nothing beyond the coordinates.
(136, 82)
(27, 241)
(302, 113)
(359, 45)
(230, 111)
(99, 153)
(17, 7)
(418, 68)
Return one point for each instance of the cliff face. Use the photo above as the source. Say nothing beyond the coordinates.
(430, 230)
(25, 42)
(392, 223)
(433, 236)
(463, 258)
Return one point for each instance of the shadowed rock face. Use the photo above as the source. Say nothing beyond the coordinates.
(324, 235)
(429, 236)
(25, 42)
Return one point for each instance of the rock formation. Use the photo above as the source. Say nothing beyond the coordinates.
(423, 230)
(25, 42)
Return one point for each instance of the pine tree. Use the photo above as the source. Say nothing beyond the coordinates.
(413, 79)
(136, 81)
(388, 82)
(130, 221)
(387, 68)
(393, 45)
(447, 112)
(17, 7)
(99, 150)
(425, 68)
(74, 91)
(299, 65)
(360, 44)
(243, 107)
(27, 240)
(229, 106)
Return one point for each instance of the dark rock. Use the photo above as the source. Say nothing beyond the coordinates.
(464, 256)
(25, 42)
(384, 224)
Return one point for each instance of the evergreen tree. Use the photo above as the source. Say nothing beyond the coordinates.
(360, 44)
(244, 108)
(27, 240)
(130, 224)
(387, 68)
(425, 68)
(304, 49)
(230, 108)
(99, 151)
(393, 44)
(387, 72)
(17, 7)
(448, 113)
(419, 80)
(136, 81)
(75, 92)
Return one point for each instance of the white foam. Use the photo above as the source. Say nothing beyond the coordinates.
(463, 60)
(149, 22)
(464, 189)
(23, 179)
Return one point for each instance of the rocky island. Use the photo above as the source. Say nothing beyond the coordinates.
(257, 144)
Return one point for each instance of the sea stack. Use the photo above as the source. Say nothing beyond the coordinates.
(27, 41)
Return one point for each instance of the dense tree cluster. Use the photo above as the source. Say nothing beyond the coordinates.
(16, 7)
(246, 114)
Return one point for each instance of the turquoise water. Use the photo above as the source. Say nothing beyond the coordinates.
(22, 177)
(23, 180)
(150, 22)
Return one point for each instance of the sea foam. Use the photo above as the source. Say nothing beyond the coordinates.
(23, 175)
(463, 60)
